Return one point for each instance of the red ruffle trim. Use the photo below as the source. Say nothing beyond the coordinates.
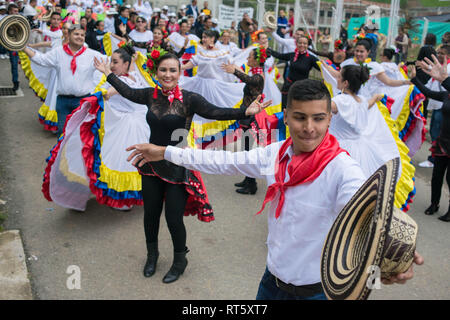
(87, 137)
(197, 203)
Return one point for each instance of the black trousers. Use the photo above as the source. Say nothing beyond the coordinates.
(154, 192)
(441, 164)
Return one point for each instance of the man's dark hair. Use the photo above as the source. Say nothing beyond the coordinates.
(12, 6)
(309, 90)
(54, 13)
(430, 39)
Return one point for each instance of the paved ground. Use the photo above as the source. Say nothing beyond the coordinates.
(227, 256)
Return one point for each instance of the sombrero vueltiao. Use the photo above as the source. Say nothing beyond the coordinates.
(369, 232)
(14, 32)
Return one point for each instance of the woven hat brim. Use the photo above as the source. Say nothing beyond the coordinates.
(355, 242)
(14, 32)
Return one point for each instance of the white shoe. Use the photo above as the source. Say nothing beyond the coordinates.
(426, 164)
(2, 56)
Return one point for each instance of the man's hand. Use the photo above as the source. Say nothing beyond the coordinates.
(434, 68)
(401, 278)
(145, 152)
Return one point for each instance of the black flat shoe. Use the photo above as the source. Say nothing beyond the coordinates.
(445, 217)
(432, 209)
(241, 184)
(248, 189)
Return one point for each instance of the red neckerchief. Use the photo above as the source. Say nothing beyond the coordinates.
(172, 94)
(53, 29)
(297, 53)
(256, 70)
(73, 63)
(210, 47)
(303, 168)
(155, 44)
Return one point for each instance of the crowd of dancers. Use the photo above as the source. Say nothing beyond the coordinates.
(145, 75)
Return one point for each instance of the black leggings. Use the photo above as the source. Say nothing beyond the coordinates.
(440, 165)
(154, 192)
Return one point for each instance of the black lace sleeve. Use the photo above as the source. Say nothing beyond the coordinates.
(254, 81)
(141, 96)
(281, 56)
(436, 95)
(197, 104)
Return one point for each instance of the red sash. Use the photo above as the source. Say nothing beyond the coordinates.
(303, 168)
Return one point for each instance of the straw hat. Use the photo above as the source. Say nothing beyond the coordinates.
(369, 232)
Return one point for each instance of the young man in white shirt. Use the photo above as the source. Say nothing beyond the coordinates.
(310, 180)
(75, 69)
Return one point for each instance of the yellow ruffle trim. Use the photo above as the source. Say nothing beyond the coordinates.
(120, 181)
(405, 184)
(47, 114)
(34, 82)
(107, 44)
(116, 180)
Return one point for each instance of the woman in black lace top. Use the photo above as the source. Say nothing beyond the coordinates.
(441, 146)
(300, 64)
(254, 86)
(182, 190)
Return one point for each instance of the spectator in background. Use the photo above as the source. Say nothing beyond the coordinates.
(97, 8)
(215, 25)
(90, 26)
(282, 24)
(147, 12)
(291, 23)
(233, 32)
(154, 22)
(164, 13)
(182, 12)
(325, 40)
(173, 26)
(205, 9)
(122, 19)
(132, 20)
(139, 7)
(191, 21)
(109, 20)
(192, 10)
(343, 35)
(401, 42)
(370, 30)
(13, 9)
(83, 23)
(58, 8)
(245, 28)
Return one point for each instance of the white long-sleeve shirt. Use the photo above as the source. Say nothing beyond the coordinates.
(83, 81)
(295, 240)
(288, 43)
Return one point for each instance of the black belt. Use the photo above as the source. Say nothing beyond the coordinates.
(303, 291)
(72, 96)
